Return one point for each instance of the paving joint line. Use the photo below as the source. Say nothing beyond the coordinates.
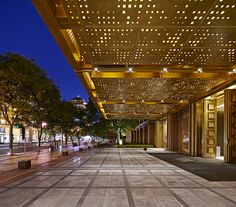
(171, 192)
(46, 190)
(67, 161)
(211, 190)
(16, 185)
(83, 161)
(30, 176)
(110, 157)
(200, 186)
(86, 191)
(136, 158)
(128, 190)
(121, 162)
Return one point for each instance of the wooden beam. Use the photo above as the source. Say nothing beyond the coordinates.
(160, 75)
(134, 102)
(133, 114)
(87, 81)
(159, 68)
(50, 20)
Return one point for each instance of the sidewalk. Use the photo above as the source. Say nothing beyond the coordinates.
(9, 164)
(111, 177)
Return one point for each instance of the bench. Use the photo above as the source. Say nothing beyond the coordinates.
(65, 153)
(24, 164)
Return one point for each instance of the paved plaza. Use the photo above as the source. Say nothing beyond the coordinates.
(116, 177)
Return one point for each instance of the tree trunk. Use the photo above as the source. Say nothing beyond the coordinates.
(72, 141)
(61, 139)
(118, 136)
(11, 140)
(40, 132)
(66, 139)
(54, 139)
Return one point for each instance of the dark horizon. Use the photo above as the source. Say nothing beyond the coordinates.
(26, 34)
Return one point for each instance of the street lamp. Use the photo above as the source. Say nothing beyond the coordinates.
(44, 124)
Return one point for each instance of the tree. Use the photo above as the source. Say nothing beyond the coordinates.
(46, 100)
(66, 119)
(98, 126)
(118, 126)
(122, 125)
(23, 87)
(93, 116)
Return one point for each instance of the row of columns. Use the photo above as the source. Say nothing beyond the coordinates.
(148, 132)
(201, 128)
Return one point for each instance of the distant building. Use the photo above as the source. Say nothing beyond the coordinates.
(78, 102)
(30, 133)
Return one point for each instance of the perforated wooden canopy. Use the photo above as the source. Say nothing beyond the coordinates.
(142, 58)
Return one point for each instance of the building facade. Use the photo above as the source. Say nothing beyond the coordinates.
(204, 128)
(78, 102)
(30, 133)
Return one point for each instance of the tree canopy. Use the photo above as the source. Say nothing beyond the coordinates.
(101, 127)
(26, 94)
(28, 97)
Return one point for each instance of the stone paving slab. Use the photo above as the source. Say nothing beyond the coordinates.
(208, 168)
(113, 177)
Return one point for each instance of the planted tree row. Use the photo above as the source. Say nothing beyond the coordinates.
(29, 98)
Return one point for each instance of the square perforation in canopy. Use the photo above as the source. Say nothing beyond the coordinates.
(137, 108)
(213, 38)
(155, 56)
(112, 56)
(209, 56)
(134, 116)
(185, 36)
(142, 28)
(152, 89)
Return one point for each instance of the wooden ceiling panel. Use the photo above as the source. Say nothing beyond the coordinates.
(152, 89)
(221, 14)
(134, 116)
(155, 109)
(184, 37)
(135, 32)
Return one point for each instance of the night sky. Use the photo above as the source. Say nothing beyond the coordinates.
(24, 32)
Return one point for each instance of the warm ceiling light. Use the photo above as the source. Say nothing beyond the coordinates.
(232, 72)
(162, 101)
(199, 70)
(181, 101)
(165, 70)
(96, 69)
(130, 69)
(142, 101)
(123, 101)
